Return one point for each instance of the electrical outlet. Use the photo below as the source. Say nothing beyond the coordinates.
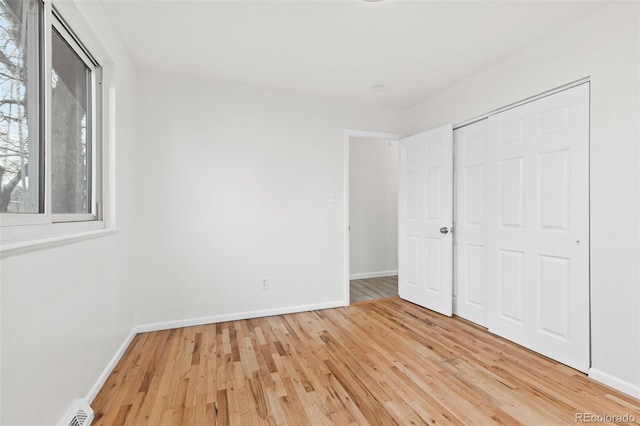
(264, 282)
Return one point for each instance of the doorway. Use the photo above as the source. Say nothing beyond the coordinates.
(371, 241)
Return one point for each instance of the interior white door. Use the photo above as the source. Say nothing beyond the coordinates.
(539, 226)
(470, 222)
(425, 210)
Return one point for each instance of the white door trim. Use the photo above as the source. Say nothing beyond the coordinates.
(348, 134)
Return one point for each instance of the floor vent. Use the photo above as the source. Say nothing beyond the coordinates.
(80, 414)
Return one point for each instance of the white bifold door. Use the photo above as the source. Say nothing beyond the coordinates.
(538, 211)
(425, 217)
(521, 228)
(470, 222)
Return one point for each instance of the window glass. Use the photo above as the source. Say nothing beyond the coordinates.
(71, 130)
(20, 107)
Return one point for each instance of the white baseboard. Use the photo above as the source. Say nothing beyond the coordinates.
(166, 325)
(93, 392)
(615, 382)
(365, 275)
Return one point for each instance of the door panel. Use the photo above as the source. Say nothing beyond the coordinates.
(476, 273)
(470, 222)
(512, 192)
(425, 205)
(554, 186)
(538, 252)
(511, 283)
(554, 294)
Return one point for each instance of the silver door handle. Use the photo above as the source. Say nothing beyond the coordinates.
(444, 230)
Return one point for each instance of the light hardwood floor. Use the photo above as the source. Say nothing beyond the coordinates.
(373, 288)
(386, 362)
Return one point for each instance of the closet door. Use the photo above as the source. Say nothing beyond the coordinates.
(425, 210)
(470, 223)
(538, 250)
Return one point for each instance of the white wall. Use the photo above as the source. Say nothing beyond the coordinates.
(373, 206)
(66, 310)
(236, 185)
(606, 47)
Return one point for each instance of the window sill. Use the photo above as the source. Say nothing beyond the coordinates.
(21, 246)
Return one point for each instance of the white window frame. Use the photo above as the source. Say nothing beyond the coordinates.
(94, 121)
(21, 232)
(38, 74)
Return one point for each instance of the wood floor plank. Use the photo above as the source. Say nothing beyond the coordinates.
(383, 362)
(373, 288)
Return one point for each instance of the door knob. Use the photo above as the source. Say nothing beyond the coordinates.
(444, 230)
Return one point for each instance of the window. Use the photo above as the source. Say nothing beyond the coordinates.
(50, 119)
(21, 138)
(74, 80)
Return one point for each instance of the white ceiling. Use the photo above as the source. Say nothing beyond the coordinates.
(336, 49)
